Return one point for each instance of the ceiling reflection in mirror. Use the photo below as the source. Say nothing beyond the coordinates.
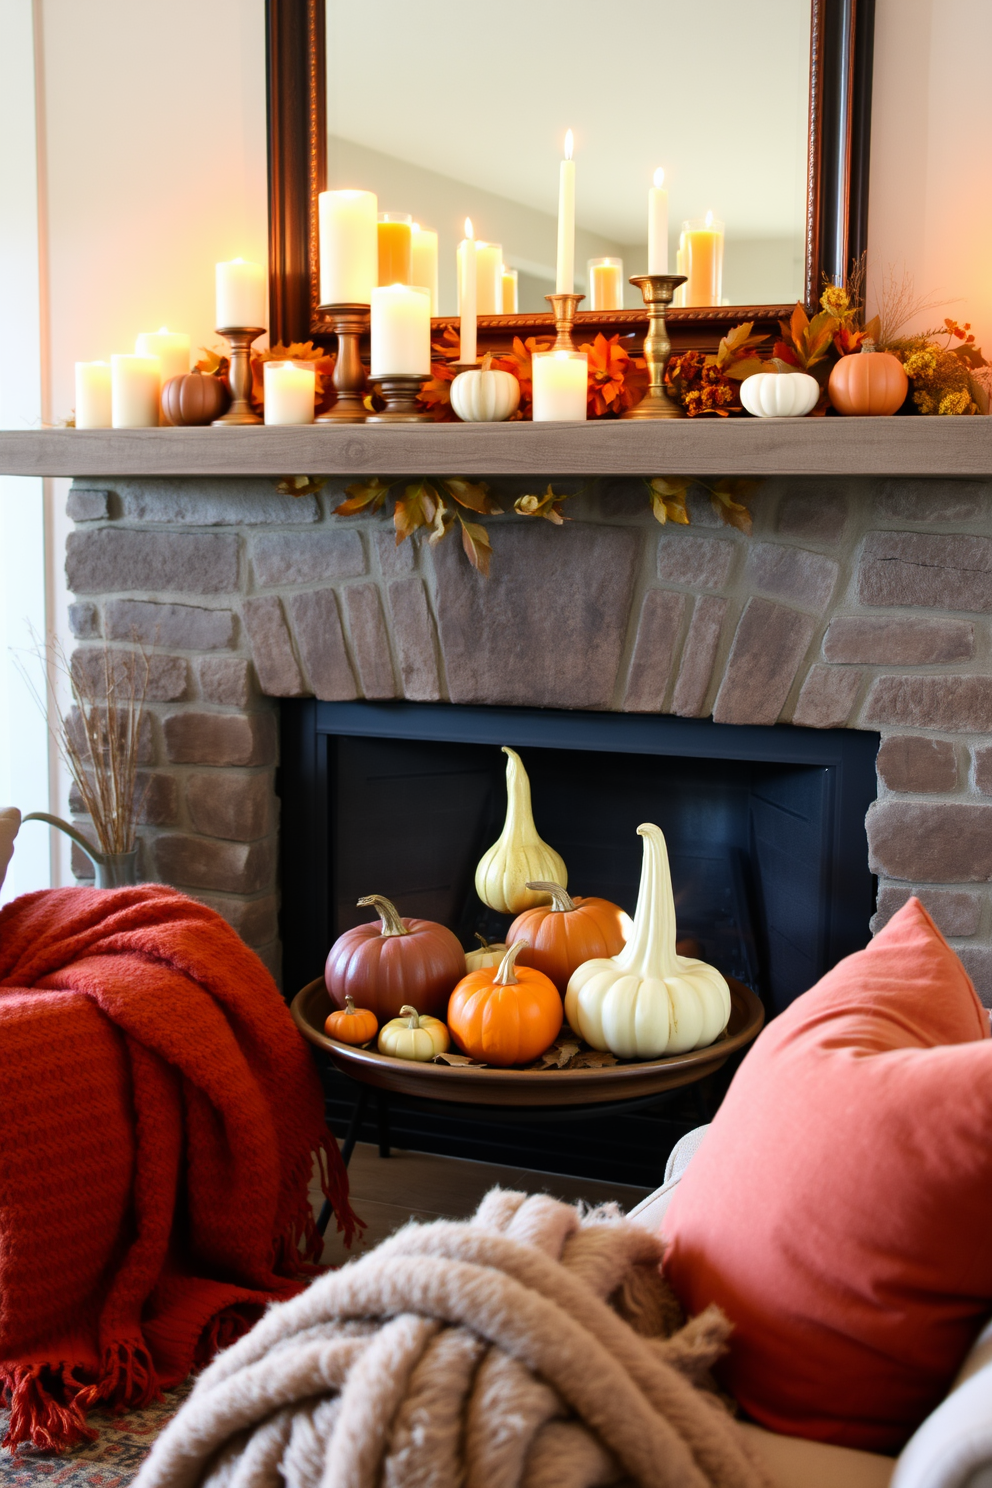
(460, 110)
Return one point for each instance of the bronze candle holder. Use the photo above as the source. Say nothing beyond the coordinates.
(400, 393)
(239, 374)
(349, 323)
(657, 290)
(564, 307)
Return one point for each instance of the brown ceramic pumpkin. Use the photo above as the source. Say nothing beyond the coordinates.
(195, 398)
(383, 968)
(868, 383)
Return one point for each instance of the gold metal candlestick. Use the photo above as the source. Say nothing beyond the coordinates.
(349, 322)
(400, 392)
(239, 374)
(564, 307)
(657, 290)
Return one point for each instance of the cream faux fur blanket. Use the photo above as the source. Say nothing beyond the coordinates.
(525, 1348)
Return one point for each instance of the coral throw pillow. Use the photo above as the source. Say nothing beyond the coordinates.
(839, 1209)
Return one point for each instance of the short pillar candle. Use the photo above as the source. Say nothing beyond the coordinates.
(560, 381)
(511, 291)
(349, 247)
(702, 260)
(289, 393)
(605, 283)
(395, 234)
(135, 389)
(171, 348)
(401, 331)
(93, 409)
(240, 295)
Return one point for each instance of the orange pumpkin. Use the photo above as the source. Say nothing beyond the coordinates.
(505, 1014)
(382, 968)
(352, 1025)
(868, 382)
(567, 932)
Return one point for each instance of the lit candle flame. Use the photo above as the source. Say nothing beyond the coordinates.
(469, 229)
(709, 219)
(569, 143)
(659, 178)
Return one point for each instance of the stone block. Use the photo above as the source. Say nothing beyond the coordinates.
(911, 762)
(225, 680)
(983, 769)
(698, 657)
(977, 962)
(194, 738)
(827, 697)
(204, 863)
(806, 578)
(271, 647)
(937, 570)
(82, 866)
(930, 841)
(699, 505)
(84, 620)
(813, 515)
(255, 920)
(182, 627)
(955, 703)
(413, 637)
(157, 795)
(237, 807)
(110, 559)
(395, 559)
(95, 669)
(658, 630)
(213, 501)
(369, 641)
(955, 911)
(307, 557)
(320, 641)
(768, 647)
(146, 738)
(87, 505)
(546, 628)
(933, 501)
(897, 640)
(694, 562)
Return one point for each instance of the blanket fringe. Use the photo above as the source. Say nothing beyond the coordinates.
(299, 1248)
(49, 1404)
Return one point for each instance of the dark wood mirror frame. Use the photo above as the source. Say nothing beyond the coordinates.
(842, 38)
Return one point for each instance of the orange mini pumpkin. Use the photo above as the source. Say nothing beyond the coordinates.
(351, 1025)
(505, 1014)
(868, 383)
(567, 932)
(384, 967)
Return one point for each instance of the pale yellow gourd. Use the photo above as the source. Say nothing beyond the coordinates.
(648, 1000)
(486, 955)
(518, 854)
(411, 1036)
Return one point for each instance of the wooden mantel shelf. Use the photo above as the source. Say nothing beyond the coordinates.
(811, 446)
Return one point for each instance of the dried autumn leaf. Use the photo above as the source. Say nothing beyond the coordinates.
(593, 1059)
(301, 485)
(746, 367)
(557, 1056)
(668, 498)
(443, 520)
(214, 363)
(456, 1060)
(417, 507)
(472, 494)
(724, 496)
(478, 549)
(371, 493)
(549, 506)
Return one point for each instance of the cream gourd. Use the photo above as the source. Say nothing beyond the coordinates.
(412, 1036)
(518, 854)
(648, 1000)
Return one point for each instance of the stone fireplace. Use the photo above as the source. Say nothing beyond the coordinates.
(856, 603)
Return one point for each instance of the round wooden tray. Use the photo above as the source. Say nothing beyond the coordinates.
(479, 1086)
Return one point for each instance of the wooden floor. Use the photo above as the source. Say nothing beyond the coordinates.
(387, 1191)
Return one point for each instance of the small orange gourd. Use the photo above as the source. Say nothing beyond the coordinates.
(868, 383)
(505, 1014)
(351, 1025)
(567, 932)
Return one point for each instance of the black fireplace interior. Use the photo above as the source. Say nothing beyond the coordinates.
(765, 830)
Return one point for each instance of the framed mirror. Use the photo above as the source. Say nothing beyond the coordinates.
(757, 112)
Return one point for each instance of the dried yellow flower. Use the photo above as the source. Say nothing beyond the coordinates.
(835, 300)
(924, 402)
(959, 402)
(921, 363)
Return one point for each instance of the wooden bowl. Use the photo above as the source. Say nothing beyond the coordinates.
(476, 1085)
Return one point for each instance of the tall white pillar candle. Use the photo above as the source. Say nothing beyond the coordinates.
(171, 348)
(401, 330)
(488, 278)
(289, 393)
(658, 225)
(466, 293)
(349, 246)
(93, 395)
(565, 282)
(240, 295)
(425, 261)
(135, 385)
(561, 380)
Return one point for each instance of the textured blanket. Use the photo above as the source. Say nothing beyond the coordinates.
(524, 1349)
(161, 1116)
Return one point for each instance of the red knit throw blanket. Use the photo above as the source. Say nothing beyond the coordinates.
(160, 1118)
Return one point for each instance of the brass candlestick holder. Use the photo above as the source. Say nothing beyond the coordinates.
(564, 307)
(239, 374)
(657, 290)
(349, 323)
(400, 392)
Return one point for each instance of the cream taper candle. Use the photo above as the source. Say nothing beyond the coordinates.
(93, 409)
(240, 295)
(135, 389)
(565, 281)
(658, 225)
(466, 294)
(488, 278)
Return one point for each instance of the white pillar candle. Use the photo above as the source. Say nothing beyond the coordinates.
(466, 293)
(135, 385)
(658, 225)
(561, 381)
(510, 291)
(240, 295)
(289, 393)
(171, 348)
(401, 330)
(349, 247)
(488, 278)
(425, 261)
(605, 276)
(93, 395)
(565, 282)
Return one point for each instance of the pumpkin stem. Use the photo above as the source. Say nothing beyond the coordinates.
(868, 345)
(483, 942)
(561, 902)
(349, 1004)
(387, 912)
(413, 1021)
(505, 976)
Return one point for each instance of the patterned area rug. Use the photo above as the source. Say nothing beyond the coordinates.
(109, 1462)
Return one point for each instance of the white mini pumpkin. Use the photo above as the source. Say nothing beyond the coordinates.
(485, 396)
(780, 394)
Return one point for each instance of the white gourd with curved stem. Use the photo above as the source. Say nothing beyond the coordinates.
(648, 1000)
(518, 854)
